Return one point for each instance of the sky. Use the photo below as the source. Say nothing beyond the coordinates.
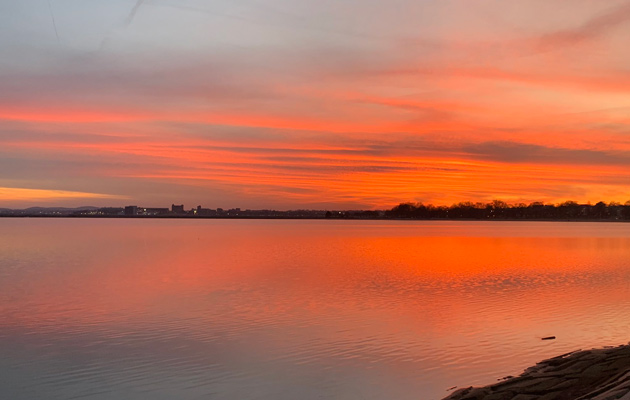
(288, 104)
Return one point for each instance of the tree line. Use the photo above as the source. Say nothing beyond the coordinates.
(497, 209)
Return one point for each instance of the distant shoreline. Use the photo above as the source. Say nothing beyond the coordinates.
(194, 217)
(464, 211)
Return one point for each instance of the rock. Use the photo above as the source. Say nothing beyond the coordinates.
(598, 374)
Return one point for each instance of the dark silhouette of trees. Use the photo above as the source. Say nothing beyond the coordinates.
(500, 210)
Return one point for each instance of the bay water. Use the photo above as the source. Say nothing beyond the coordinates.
(298, 309)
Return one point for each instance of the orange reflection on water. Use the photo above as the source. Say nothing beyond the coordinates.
(138, 264)
(425, 302)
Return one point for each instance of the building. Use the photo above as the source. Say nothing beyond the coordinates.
(177, 209)
(131, 210)
(206, 212)
(154, 211)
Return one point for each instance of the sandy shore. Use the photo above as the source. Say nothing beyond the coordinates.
(599, 374)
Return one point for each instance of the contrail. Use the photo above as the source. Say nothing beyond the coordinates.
(52, 16)
(131, 16)
(126, 24)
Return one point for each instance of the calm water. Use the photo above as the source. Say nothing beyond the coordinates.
(228, 309)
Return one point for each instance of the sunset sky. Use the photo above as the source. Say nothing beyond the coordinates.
(292, 104)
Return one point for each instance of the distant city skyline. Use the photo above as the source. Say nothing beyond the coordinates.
(495, 210)
(289, 104)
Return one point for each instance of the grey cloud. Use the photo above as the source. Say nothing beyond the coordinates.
(93, 81)
(592, 28)
(529, 153)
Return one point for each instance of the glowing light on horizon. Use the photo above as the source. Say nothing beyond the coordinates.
(29, 195)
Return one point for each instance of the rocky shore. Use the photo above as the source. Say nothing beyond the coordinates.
(599, 374)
